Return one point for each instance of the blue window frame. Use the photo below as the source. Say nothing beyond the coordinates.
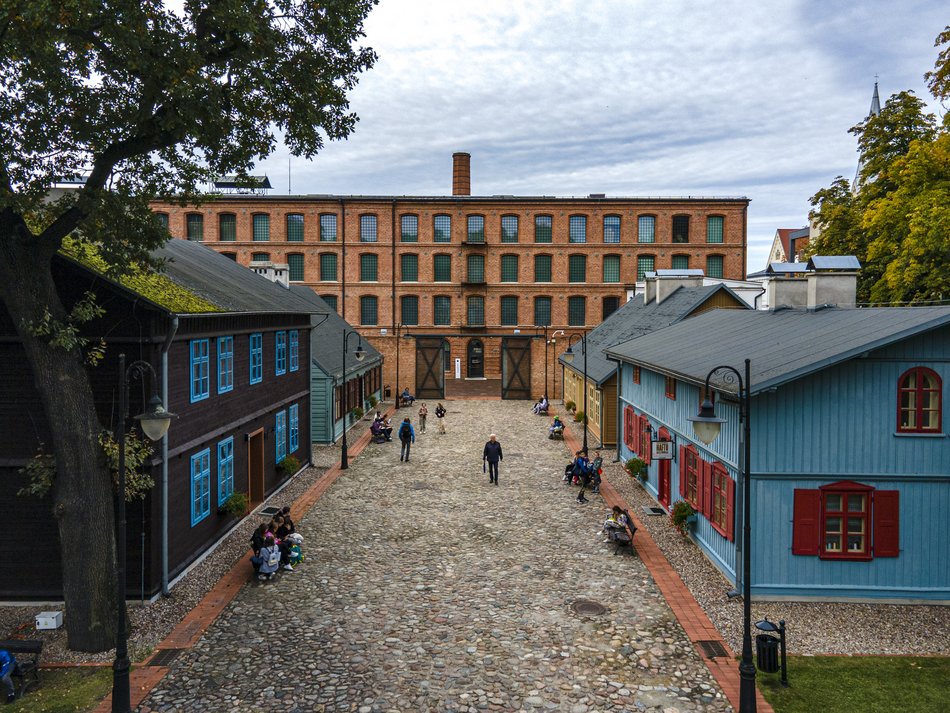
(257, 358)
(294, 428)
(225, 469)
(294, 350)
(225, 364)
(280, 353)
(280, 436)
(200, 370)
(200, 486)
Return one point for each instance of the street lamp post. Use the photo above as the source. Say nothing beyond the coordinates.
(398, 327)
(359, 354)
(154, 422)
(552, 342)
(707, 427)
(569, 357)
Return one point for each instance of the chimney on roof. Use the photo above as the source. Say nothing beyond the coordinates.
(461, 174)
(667, 282)
(273, 272)
(787, 292)
(649, 287)
(832, 280)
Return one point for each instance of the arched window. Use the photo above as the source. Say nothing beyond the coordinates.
(918, 401)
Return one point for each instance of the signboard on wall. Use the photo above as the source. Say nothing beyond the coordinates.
(662, 450)
(458, 368)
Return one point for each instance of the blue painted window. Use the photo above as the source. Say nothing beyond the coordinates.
(200, 486)
(294, 350)
(280, 353)
(280, 436)
(225, 469)
(257, 358)
(200, 370)
(225, 364)
(294, 428)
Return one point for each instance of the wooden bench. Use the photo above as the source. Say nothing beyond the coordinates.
(26, 670)
(620, 543)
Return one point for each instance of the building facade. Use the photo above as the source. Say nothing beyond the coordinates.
(486, 274)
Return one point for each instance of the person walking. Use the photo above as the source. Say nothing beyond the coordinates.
(582, 471)
(492, 455)
(423, 412)
(440, 415)
(407, 436)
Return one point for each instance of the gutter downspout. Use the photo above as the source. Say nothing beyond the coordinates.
(165, 347)
(392, 232)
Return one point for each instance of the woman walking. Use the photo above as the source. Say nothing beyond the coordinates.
(440, 415)
(423, 412)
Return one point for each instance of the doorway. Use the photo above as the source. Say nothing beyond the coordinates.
(663, 469)
(476, 359)
(255, 467)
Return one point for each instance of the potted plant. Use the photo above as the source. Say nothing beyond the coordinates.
(372, 401)
(235, 505)
(357, 413)
(569, 405)
(637, 469)
(683, 516)
(580, 417)
(288, 466)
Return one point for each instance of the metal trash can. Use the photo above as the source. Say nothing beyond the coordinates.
(766, 653)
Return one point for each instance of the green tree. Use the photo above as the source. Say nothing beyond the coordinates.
(144, 102)
(938, 81)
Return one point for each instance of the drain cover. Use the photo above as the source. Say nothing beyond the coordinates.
(164, 657)
(586, 607)
(420, 485)
(270, 510)
(712, 649)
(653, 511)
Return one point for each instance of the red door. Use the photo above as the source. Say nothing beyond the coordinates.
(664, 485)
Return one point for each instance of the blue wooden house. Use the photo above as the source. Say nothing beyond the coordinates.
(850, 460)
(333, 393)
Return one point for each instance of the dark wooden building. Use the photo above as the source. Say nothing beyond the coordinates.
(236, 351)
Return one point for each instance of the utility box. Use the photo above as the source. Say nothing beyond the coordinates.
(49, 620)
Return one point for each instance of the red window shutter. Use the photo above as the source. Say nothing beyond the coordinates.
(806, 526)
(730, 509)
(645, 439)
(886, 523)
(682, 471)
(627, 418)
(707, 496)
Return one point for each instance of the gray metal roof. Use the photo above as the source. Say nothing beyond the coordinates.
(326, 339)
(634, 319)
(782, 345)
(778, 268)
(834, 262)
(223, 282)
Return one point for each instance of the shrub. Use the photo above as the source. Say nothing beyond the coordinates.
(637, 468)
(373, 402)
(288, 466)
(236, 504)
(357, 413)
(569, 405)
(683, 516)
(580, 417)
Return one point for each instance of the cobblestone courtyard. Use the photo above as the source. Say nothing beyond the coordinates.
(427, 589)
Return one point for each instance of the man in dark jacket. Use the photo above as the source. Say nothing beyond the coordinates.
(407, 436)
(491, 455)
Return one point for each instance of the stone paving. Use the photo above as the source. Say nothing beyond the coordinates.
(428, 589)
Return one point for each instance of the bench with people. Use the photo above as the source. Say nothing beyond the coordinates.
(276, 546)
(619, 529)
(406, 397)
(541, 407)
(24, 670)
(556, 430)
(381, 430)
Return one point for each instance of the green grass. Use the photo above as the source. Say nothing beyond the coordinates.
(860, 684)
(65, 690)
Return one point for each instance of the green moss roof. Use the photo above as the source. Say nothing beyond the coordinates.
(153, 286)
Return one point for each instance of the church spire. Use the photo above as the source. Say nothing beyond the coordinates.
(875, 110)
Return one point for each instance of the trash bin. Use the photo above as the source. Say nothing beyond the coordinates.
(766, 653)
(388, 394)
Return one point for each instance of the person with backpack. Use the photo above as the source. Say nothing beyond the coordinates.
(407, 436)
(582, 471)
(270, 559)
(7, 664)
(440, 415)
(491, 454)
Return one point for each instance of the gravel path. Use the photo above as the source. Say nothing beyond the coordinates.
(150, 624)
(813, 627)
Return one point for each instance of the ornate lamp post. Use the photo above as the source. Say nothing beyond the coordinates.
(552, 342)
(569, 357)
(707, 426)
(359, 354)
(154, 422)
(398, 327)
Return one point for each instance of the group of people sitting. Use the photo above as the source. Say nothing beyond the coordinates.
(276, 545)
(381, 429)
(541, 407)
(584, 472)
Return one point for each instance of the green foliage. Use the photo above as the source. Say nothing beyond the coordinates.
(938, 81)
(681, 515)
(580, 417)
(637, 468)
(64, 334)
(236, 504)
(844, 684)
(137, 451)
(357, 413)
(40, 470)
(288, 466)
(373, 401)
(569, 405)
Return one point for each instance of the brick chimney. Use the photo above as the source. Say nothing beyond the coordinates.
(461, 174)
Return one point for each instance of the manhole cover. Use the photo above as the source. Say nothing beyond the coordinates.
(164, 657)
(712, 649)
(586, 607)
(653, 511)
(420, 485)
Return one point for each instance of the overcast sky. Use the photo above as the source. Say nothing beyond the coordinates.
(623, 97)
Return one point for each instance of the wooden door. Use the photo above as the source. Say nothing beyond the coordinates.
(664, 483)
(476, 359)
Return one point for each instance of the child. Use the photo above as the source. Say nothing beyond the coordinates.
(423, 412)
(440, 414)
(270, 559)
(257, 542)
(596, 471)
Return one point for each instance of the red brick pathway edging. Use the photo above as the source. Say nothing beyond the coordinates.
(193, 626)
(686, 609)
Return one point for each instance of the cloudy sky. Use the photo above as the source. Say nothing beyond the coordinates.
(623, 97)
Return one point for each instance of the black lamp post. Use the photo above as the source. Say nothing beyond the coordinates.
(569, 357)
(154, 422)
(359, 354)
(552, 342)
(398, 327)
(707, 426)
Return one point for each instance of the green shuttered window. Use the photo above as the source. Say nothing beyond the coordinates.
(368, 307)
(681, 262)
(294, 228)
(476, 268)
(409, 268)
(409, 229)
(295, 263)
(714, 266)
(195, 223)
(714, 229)
(476, 311)
(509, 268)
(509, 311)
(368, 268)
(542, 229)
(409, 309)
(542, 268)
(442, 228)
(227, 227)
(542, 311)
(645, 264)
(328, 267)
(442, 310)
(327, 228)
(476, 229)
(509, 228)
(261, 230)
(577, 268)
(611, 268)
(576, 311)
(442, 268)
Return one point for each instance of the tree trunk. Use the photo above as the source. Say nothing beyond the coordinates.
(82, 489)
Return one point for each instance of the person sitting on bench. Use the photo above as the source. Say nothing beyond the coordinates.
(556, 429)
(7, 664)
(406, 397)
(377, 430)
(615, 526)
(541, 408)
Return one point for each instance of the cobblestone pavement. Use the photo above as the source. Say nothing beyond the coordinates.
(428, 589)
